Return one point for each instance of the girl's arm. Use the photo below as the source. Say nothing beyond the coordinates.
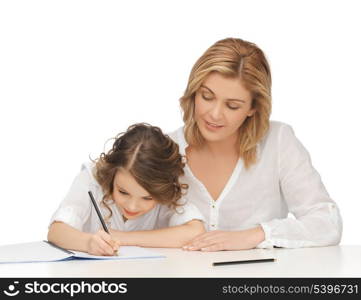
(68, 221)
(68, 237)
(171, 237)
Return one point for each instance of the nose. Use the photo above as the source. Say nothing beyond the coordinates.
(216, 111)
(131, 205)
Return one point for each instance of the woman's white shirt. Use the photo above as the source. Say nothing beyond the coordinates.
(282, 181)
(77, 210)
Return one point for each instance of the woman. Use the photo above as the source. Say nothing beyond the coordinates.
(245, 173)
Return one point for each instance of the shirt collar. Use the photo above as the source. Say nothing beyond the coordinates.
(182, 141)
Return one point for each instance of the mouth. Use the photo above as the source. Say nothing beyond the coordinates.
(213, 126)
(129, 213)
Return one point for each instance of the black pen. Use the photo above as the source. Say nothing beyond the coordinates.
(222, 263)
(99, 214)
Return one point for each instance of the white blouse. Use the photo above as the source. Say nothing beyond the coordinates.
(77, 210)
(282, 181)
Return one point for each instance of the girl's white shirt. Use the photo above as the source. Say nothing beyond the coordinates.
(282, 181)
(77, 210)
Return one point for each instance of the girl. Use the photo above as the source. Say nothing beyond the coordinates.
(136, 185)
(245, 173)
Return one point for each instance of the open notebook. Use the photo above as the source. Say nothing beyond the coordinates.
(44, 251)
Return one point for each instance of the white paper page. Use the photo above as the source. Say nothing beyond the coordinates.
(30, 252)
(124, 252)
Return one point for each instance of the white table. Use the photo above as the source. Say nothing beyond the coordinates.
(337, 261)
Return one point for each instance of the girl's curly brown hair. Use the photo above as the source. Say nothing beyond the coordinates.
(151, 157)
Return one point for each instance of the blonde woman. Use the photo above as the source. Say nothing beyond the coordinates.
(246, 173)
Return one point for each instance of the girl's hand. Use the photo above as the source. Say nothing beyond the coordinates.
(227, 240)
(101, 243)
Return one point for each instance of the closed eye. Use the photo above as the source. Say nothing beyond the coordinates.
(233, 107)
(122, 192)
(207, 98)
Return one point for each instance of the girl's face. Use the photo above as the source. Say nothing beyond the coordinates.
(132, 200)
(221, 106)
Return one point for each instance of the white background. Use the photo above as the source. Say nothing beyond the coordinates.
(75, 73)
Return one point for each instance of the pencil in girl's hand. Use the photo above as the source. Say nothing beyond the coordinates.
(100, 215)
(98, 212)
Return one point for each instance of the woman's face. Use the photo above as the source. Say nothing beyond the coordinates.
(131, 198)
(221, 106)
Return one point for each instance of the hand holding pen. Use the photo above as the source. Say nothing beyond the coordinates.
(101, 243)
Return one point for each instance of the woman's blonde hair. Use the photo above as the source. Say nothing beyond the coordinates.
(233, 58)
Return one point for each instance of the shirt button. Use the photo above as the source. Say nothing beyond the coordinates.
(213, 206)
(213, 225)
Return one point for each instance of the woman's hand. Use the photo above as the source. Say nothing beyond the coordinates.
(227, 240)
(102, 243)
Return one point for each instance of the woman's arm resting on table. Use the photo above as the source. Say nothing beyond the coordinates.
(171, 237)
(317, 219)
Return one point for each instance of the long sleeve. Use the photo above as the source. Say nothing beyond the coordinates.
(317, 219)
